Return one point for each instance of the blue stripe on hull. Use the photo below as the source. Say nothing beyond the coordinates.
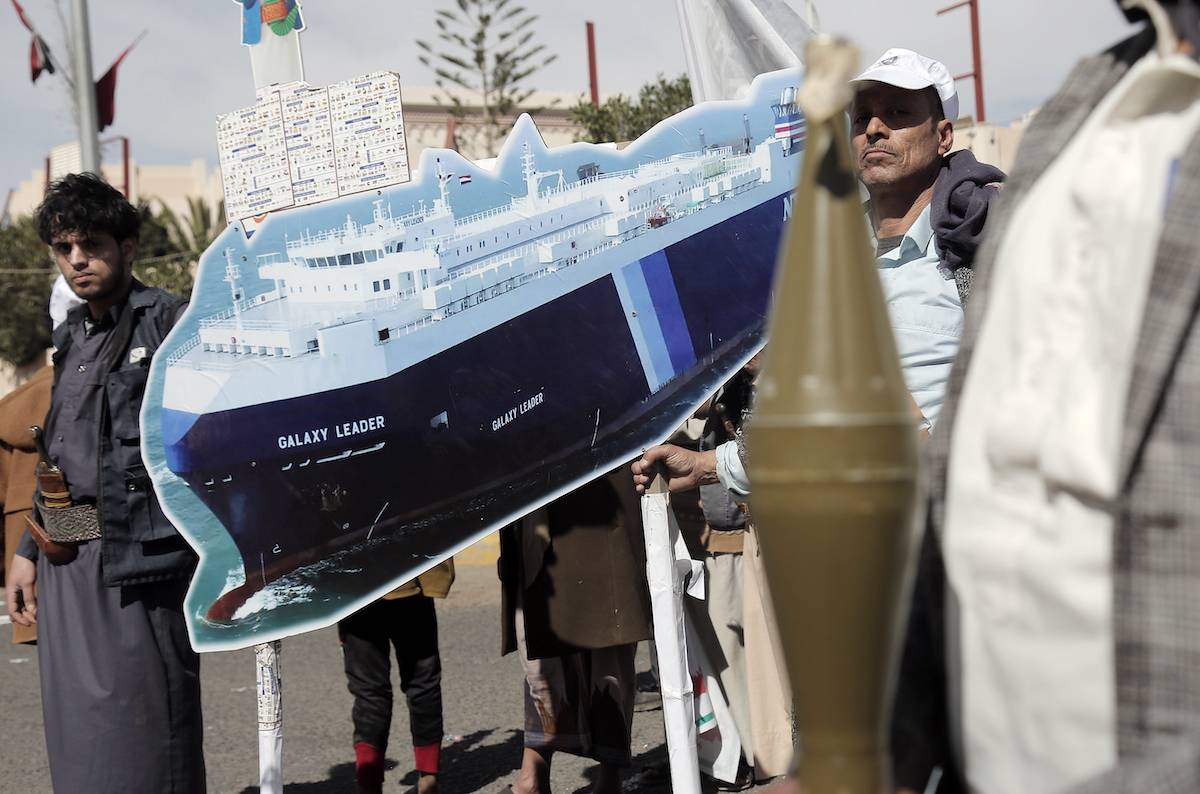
(658, 358)
(670, 314)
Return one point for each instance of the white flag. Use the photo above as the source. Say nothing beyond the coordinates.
(728, 42)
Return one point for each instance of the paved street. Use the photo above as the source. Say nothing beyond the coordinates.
(483, 712)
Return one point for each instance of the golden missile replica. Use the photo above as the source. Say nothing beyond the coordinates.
(832, 459)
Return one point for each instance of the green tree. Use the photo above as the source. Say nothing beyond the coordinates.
(26, 278)
(196, 230)
(621, 118)
(169, 249)
(487, 48)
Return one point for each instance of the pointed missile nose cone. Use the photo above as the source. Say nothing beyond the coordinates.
(833, 458)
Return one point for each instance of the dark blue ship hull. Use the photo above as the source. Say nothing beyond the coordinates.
(463, 440)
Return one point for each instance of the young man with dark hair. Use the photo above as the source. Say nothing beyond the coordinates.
(104, 575)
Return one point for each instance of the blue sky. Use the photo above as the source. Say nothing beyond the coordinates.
(191, 66)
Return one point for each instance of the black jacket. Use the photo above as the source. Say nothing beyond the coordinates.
(139, 543)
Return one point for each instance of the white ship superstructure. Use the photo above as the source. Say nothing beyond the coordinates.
(348, 303)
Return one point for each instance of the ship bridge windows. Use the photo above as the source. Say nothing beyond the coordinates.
(344, 259)
(370, 255)
(357, 257)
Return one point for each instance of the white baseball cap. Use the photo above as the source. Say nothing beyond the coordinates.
(913, 71)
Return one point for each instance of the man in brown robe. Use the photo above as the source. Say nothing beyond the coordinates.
(575, 605)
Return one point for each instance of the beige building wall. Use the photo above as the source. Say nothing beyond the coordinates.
(991, 143)
(169, 184)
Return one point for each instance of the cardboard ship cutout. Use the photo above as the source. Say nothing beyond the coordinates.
(369, 385)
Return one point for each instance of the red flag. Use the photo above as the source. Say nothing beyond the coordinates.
(39, 53)
(39, 58)
(106, 88)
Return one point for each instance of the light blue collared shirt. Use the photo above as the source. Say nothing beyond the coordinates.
(927, 315)
(927, 320)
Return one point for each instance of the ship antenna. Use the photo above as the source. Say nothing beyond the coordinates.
(233, 274)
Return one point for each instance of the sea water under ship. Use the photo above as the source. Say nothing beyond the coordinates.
(401, 367)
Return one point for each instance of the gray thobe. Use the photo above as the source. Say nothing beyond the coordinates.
(120, 681)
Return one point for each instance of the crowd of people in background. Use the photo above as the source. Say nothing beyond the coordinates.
(1051, 642)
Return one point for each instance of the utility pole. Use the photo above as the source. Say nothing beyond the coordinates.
(977, 58)
(593, 81)
(85, 88)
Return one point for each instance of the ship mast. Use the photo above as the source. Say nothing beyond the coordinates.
(532, 175)
(233, 274)
(442, 204)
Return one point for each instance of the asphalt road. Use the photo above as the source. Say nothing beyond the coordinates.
(481, 694)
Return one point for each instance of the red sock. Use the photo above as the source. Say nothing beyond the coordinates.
(368, 764)
(427, 757)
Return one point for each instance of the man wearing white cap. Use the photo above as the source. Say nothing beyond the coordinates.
(927, 210)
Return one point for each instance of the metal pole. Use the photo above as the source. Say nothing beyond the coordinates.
(978, 61)
(85, 88)
(125, 166)
(593, 81)
(976, 55)
(666, 604)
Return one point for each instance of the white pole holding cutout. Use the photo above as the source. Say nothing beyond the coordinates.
(270, 718)
(665, 581)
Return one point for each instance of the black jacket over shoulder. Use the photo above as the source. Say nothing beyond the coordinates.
(139, 543)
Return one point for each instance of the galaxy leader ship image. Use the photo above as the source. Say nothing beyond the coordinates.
(400, 373)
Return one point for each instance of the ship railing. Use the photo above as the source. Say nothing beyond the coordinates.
(489, 262)
(242, 305)
(248, 325)
(482, 215)
(181, 351)
(308, 238)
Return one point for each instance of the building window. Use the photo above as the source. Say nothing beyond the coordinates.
(375, 286)
(384, 334)
(387, 283)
